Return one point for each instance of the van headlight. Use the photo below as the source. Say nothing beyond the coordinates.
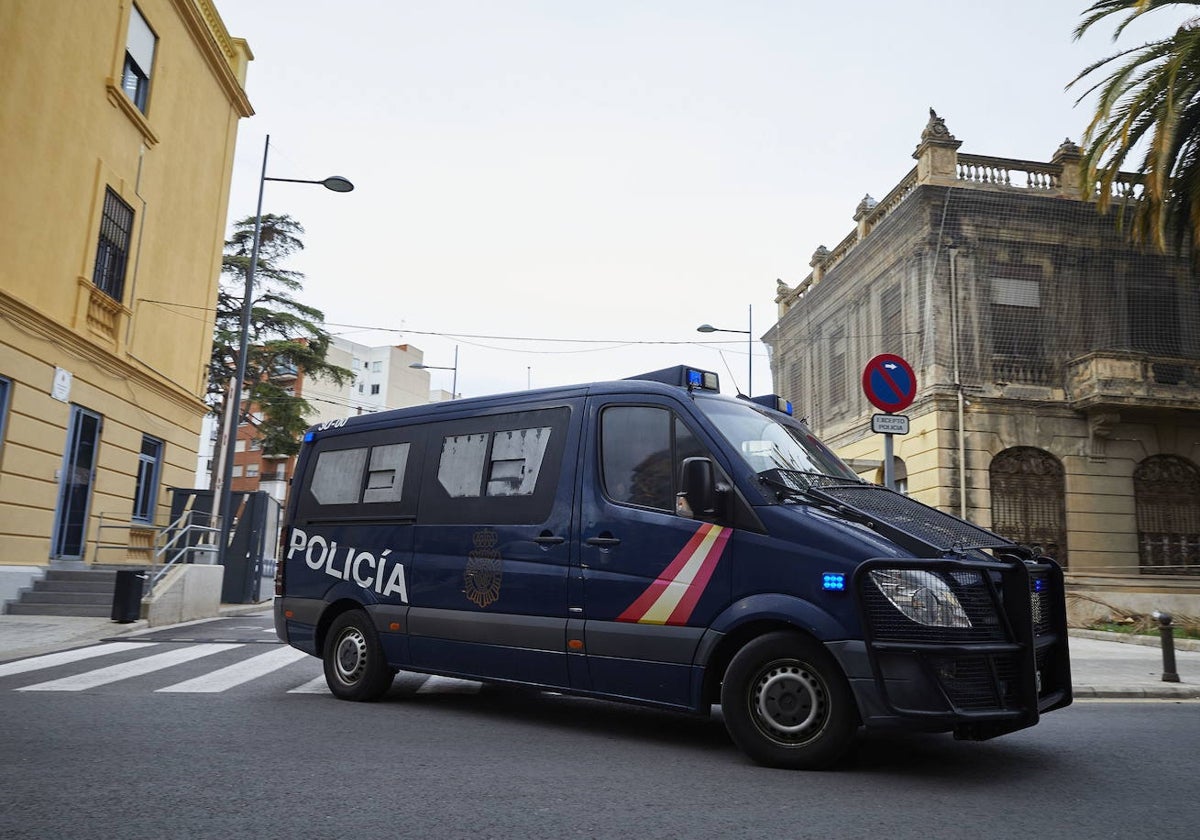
(922, 596)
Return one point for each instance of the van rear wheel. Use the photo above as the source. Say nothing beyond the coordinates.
(355, 667)
(787, 704)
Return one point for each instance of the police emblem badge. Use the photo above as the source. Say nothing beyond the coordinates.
(485, 570)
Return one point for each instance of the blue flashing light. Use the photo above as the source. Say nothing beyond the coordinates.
(684, 377)
(833, 582)
(308, 436)
(775, 402)
(1039, 584)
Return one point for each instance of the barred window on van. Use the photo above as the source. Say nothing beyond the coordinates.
(338, 475)
(385, 473)
(494, 464)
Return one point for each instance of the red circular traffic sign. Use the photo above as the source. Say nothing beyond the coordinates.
(889, 383)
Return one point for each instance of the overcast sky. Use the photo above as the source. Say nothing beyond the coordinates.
(616, 172)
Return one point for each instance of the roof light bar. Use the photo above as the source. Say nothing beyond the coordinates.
(774, 401)
(684, 377)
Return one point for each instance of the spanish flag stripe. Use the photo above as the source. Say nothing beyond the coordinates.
(683, 611)
(662, 608)
(671, 598)
(638, 608)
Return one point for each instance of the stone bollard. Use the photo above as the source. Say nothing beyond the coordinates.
(1168, 645)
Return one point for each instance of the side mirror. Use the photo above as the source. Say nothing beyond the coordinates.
(698, 487)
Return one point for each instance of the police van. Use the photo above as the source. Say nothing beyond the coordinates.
(650, 540)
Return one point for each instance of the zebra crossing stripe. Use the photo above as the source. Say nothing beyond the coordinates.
(449, 685)
(65, 657)
(125, 670)
(238, 673)
(315, 686)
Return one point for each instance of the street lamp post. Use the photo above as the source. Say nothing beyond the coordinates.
(749, 333)
(224, 488)
(454, 367)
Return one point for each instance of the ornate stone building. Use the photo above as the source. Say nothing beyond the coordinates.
(1058, 366)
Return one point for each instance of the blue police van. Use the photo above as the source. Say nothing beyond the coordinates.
(650, 540)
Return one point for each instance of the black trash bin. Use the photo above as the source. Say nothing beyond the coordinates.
(127, 596)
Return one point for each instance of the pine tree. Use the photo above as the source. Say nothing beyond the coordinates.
(284, 335)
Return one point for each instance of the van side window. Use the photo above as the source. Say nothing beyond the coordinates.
(635, 451)
(516, 461)
(385, 474)
(512, 464)
(337, 478)
(641, 460)
(502, 469)
(460, 470)
(686, 446)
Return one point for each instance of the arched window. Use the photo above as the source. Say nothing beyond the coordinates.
(1166, 492)
(1028, 500)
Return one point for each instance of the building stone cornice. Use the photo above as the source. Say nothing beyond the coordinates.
(226, 57)
(30, 321)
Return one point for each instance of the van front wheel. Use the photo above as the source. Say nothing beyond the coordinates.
(787, 704)
(355, 668)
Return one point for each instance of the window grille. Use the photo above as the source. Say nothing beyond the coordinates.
(1028, 500)
(112, 250)
(1166, 492)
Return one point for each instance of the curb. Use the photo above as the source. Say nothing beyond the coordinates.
(1132, 639)
(1167, 692)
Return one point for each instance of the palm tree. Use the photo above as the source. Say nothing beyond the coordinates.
(1148, 98)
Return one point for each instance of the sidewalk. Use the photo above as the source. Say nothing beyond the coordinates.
(1103, 665)
(34, 635)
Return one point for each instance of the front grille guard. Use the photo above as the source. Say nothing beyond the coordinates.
(1022, 672)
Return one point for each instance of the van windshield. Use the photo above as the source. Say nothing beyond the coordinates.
(769, 442)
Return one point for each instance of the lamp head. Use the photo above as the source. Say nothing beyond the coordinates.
(706, 328)
(338, 184)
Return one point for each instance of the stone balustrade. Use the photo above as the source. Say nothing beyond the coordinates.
(939, 163)
(1009, 172)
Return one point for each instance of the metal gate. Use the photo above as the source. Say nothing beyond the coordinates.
(253, 541)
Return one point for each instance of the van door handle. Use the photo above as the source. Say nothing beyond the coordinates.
(605, 540)
(546, 538)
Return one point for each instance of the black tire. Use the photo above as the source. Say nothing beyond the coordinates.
(787, 703)
(355, 667)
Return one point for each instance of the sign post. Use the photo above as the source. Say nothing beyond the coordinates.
(890, 385)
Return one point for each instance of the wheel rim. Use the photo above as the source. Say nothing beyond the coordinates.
(350, 656)
(790, 703)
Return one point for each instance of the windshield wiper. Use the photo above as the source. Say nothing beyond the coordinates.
(797, 484)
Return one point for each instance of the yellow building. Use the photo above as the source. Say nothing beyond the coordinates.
(119, 123)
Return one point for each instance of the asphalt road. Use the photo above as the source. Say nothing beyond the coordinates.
(447, 760)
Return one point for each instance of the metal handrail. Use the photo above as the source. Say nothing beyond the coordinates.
(179, 531)
(167, 539)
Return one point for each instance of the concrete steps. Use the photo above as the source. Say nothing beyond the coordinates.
(77, 593)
